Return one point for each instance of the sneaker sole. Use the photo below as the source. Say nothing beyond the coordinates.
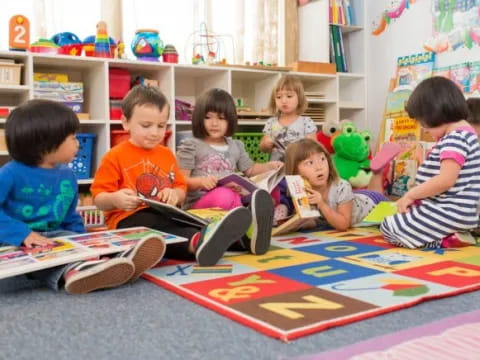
(230, 229)
(111, 274)
(262, 208)
(147, 254)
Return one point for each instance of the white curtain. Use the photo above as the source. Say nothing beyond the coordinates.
(242, 30)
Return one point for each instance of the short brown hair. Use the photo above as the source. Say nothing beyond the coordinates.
(143, 95)
(292, 83)
(474, 111)
(218, 101)
(300, 150)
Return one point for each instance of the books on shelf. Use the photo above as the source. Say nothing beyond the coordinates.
(68, 249)
(304, 212)
(341, 12)
(337, 55)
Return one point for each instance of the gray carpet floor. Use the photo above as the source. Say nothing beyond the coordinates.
(144, 321)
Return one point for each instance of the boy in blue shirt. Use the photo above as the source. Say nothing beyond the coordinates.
(39, 195)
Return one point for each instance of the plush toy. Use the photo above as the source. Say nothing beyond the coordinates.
(324, 136)
(351, 155)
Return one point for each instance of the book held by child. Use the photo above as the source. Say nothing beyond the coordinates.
(68, 249)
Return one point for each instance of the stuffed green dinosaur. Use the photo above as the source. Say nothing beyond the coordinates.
(351, 155)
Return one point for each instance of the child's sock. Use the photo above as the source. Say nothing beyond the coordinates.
(383, 157)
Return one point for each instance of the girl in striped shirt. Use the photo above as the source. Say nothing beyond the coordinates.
(444, 203)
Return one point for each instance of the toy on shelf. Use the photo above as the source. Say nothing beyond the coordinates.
(121, 50)
(19, 33)
(147, 45)
(102, 42)
(206, 46)
(170, 54)
(44, 46)
(69, 43)
(89, 45)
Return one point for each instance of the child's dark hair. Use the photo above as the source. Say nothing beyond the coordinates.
(143, 95)
(37, 128)
(473, 111)
(218, 101)
(300, 150)
(437, 101)
(292, 83)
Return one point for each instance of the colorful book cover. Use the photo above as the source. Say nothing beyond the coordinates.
(380, 212)
(68, 249)
(412, 69)
(296, 188)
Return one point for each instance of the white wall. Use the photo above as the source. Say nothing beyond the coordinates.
(404, 36)
(313, 39)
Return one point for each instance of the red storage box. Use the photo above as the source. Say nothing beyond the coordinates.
(118, 136)
(119, 82)
(115, 109)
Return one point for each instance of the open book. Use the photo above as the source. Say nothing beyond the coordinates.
(68, 249)
(304, 212)
(246, 186)
(380, 212)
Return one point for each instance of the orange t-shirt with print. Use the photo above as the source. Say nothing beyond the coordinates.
(146, 172)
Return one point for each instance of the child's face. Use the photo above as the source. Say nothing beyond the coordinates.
(64, 154)
(216, 126)
(315, 169)
(147, 125)
(286, 101)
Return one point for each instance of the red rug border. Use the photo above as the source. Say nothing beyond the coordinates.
(287, 336)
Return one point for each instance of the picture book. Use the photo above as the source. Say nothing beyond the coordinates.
(210, 215)
(246, 186)
(175, 213)
(412, 69)
(380, 212)
(304, 212)
(68, 249)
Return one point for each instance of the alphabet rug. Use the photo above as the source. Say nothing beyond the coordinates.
(309, 282)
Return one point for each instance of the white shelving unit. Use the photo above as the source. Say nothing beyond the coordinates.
(344, 93)
(352, 86)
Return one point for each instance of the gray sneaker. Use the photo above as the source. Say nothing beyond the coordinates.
(217, 237)
(260, 232)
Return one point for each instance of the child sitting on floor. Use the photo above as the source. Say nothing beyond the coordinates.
(445, 201)
(38, 195)
(142, 167)
(212, 154)
(338, 205)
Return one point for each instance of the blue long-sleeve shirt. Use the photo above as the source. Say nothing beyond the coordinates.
(37, 199)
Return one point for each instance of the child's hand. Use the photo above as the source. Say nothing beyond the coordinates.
(35, 239)
(268, 142)
(126, 200)
(169, 196)
(404, 203)
(314, 197)
(209, 182)
(274, 165)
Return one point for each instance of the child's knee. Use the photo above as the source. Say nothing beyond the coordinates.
(226, 198)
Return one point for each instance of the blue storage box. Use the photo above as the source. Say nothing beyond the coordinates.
(82, 163)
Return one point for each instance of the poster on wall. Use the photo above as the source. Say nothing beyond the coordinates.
(456, 25)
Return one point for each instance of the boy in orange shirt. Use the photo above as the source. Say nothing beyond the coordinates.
(142, 167)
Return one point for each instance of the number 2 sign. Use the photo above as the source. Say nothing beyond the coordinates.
(19, 33)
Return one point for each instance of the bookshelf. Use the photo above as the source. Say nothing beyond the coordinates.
(341, 94)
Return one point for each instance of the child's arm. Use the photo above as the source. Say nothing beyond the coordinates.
(340, 219)
(266, 144)
(200, 182)
(72, 220)
(258, 168)
(447, 177)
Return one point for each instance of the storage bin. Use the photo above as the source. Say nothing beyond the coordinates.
(82, 163)
(117, 136)
(252, 146)
(119, 83)
(10, 73)
(115, 109)
(92, 217)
